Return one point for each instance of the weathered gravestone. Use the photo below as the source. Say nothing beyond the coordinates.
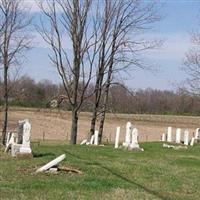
(197, 134)
(192, 141)
(178, 135)
(19, 143)
(84, 142)
(52, 166)
(169, 134)
(163, 137)
(10, 140)
(117, 137)
(128, 134)
(92, 139)
(26, 136)
(96, 137)
(186, 137)
(131, 138)
(134, 141)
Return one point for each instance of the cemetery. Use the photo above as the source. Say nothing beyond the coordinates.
(125, 167)
(99, 100)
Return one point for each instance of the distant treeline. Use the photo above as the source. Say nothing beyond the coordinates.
(26, 92)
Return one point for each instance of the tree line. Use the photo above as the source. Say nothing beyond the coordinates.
(26, 92)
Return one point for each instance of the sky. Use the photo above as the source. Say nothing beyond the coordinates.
(180, 18)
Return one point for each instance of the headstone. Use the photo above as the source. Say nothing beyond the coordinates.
(197, 133)
(20, 131)
(117, 137)
(96, 137)
(134, 142)
(8, 135)
(192, 141)
(10, 141)
(84, 142)
(25, 148)
(92, 139)
(186, 137)
(163, 139)
(20, 142)
(52, 163)
(178, 135)
(15, 148)
(169, 134)
(128, 133)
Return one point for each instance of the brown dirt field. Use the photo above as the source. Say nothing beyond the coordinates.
(55, 125)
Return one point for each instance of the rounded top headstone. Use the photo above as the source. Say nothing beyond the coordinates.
(128, 125)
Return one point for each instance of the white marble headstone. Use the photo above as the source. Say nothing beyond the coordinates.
(83, 142)
(178, 135)
(25, 148)
(163, 139)
(134, 141)
(52, 163)
(96, 137)
(186, 137)
(92, 139)
(169, 134)
(10, 140)
(192, 141)
(197, 133)
(128, 133)
(117, 137)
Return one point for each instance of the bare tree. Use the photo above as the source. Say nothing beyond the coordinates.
(13, 42)
(121, 24)
(192, 65)
(74, 46)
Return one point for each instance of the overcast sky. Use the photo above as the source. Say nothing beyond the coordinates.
(181, 17)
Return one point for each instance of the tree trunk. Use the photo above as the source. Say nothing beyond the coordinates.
(93, 121)
(103, 115)
(98, 91)
(5, 118)
(105, 100)
(74, 126)
(100, 76)
(96, 105)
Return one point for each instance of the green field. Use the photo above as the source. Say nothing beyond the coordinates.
(156, 173)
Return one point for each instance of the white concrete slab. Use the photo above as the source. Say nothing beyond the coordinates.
(52, 163)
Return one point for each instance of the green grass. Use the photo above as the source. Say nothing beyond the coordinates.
(156, 173)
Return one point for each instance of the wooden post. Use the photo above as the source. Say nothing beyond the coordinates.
(43, 136)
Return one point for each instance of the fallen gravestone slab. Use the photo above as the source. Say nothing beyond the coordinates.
(83, 142)
(52, 163)
(174, 147)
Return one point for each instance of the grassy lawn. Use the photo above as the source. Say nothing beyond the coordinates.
(156, 173)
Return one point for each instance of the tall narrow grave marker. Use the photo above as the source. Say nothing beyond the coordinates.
(117, 137)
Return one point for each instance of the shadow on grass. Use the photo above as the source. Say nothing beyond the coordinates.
(38, 155)
(118, 175)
